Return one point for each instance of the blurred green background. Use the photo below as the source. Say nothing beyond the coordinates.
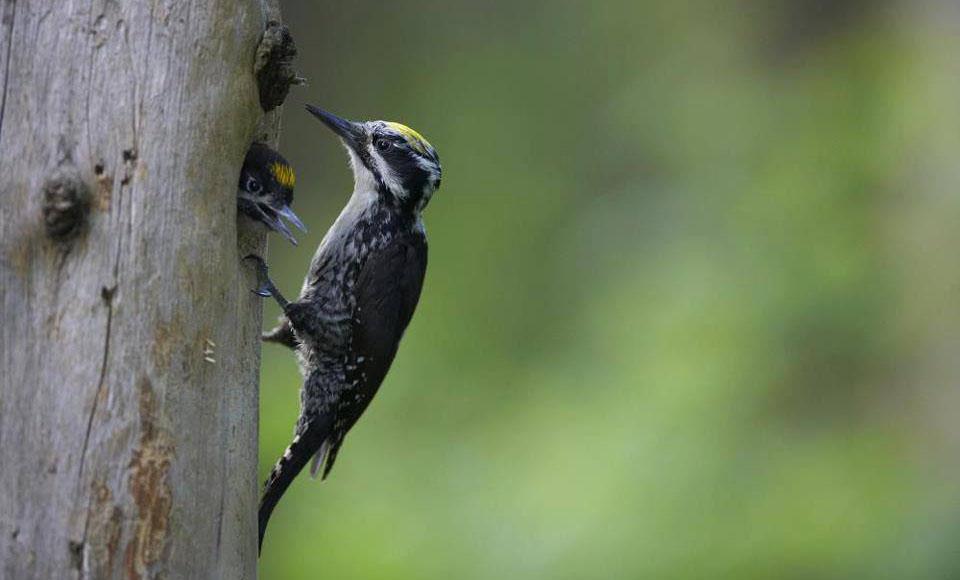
(692, 302)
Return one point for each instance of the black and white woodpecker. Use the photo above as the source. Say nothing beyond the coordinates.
(359, 294)
(265, 191)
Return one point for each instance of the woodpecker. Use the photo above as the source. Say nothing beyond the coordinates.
(359, 294)
(265, 191)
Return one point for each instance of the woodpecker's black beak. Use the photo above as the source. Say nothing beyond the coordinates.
(351, 133)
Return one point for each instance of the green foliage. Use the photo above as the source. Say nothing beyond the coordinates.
(691, 303)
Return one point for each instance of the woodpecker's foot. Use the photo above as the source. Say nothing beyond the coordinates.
(265, 286)
(282, 334)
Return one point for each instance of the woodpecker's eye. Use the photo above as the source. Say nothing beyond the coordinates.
(253, 185)
(382, 144)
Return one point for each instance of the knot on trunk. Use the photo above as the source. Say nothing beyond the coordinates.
(66, 203)
(274, 65)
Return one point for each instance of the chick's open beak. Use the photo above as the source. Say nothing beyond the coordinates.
(287, 213)
(271, 218)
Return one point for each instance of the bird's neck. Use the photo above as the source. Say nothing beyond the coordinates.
(381, 207)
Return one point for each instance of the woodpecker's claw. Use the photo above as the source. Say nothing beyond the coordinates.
(264, 284)
(261, 265)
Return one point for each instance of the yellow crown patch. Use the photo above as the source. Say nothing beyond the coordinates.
(284, 175)
(415, 139)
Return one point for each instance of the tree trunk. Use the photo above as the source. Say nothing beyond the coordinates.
(129, 355)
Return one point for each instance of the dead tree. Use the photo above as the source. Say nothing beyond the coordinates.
(129, 355)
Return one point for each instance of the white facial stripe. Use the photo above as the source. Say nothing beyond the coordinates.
(426, 164)
(243, 193)
(363, 178)
(387, 174)
(366, 180)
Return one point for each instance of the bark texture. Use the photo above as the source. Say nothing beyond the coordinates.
(128, 334)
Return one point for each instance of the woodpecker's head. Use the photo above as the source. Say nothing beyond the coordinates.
(389, 158)
(265, 191)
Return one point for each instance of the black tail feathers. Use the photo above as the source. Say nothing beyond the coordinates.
(305, 444)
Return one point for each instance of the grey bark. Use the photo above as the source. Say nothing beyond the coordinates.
(129, 356)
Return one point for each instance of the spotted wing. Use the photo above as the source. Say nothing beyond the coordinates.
(387, 292)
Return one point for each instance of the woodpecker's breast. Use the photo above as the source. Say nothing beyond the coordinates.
(330, 284)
